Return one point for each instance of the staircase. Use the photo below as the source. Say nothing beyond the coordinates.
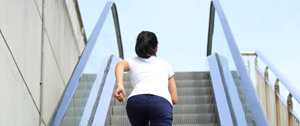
(195, 107)
(78, 102)
(249, 116)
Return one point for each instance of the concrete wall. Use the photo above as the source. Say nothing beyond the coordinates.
(20, 57)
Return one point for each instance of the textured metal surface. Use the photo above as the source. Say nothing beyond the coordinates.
(75, 110)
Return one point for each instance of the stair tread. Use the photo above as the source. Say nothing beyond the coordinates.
(177, 119)
(177, 109)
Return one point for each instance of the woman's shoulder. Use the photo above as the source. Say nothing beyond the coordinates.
(130, 59)
(163, 61)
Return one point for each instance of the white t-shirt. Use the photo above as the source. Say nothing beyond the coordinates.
(150, 76)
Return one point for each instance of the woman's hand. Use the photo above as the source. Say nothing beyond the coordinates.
(120, 94)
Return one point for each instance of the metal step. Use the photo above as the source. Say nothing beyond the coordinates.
(178, 109)
(192, 83)
(206, 118)
(195, 118)
(78, 102)
(194, 91)
(191, 76)
(180, 83)
(202, 99)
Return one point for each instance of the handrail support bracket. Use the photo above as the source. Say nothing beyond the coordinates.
(290, 109)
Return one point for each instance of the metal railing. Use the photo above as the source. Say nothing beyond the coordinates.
(235, 60)
(292, 117)
(81, 66)
(227, 100)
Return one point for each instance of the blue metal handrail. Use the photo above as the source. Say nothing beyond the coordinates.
(226, 117)
(257, 110)
(65, 100)
(291, 88)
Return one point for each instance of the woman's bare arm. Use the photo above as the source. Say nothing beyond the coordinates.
(119, 93)
(173, 89)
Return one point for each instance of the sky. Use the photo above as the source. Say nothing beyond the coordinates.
(270, 26)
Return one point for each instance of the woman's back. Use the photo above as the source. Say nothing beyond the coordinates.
(150, 76)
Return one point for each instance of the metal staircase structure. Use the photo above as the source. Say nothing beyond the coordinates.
(196, 104)
(224, 95)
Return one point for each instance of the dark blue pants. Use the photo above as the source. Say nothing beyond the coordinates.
(146, 109)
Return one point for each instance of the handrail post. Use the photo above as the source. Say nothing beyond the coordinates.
(277, 102)
(255, 60)
(290, 109)
(266, 91)
(248, 66)
(266, 74)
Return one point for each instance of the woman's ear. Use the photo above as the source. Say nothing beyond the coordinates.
(155, 50)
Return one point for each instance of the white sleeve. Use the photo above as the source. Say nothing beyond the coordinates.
(170, 71)
(129, 60)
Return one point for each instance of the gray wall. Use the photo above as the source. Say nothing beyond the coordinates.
(20, 52)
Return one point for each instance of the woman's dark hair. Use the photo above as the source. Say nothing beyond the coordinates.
(146, 43)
